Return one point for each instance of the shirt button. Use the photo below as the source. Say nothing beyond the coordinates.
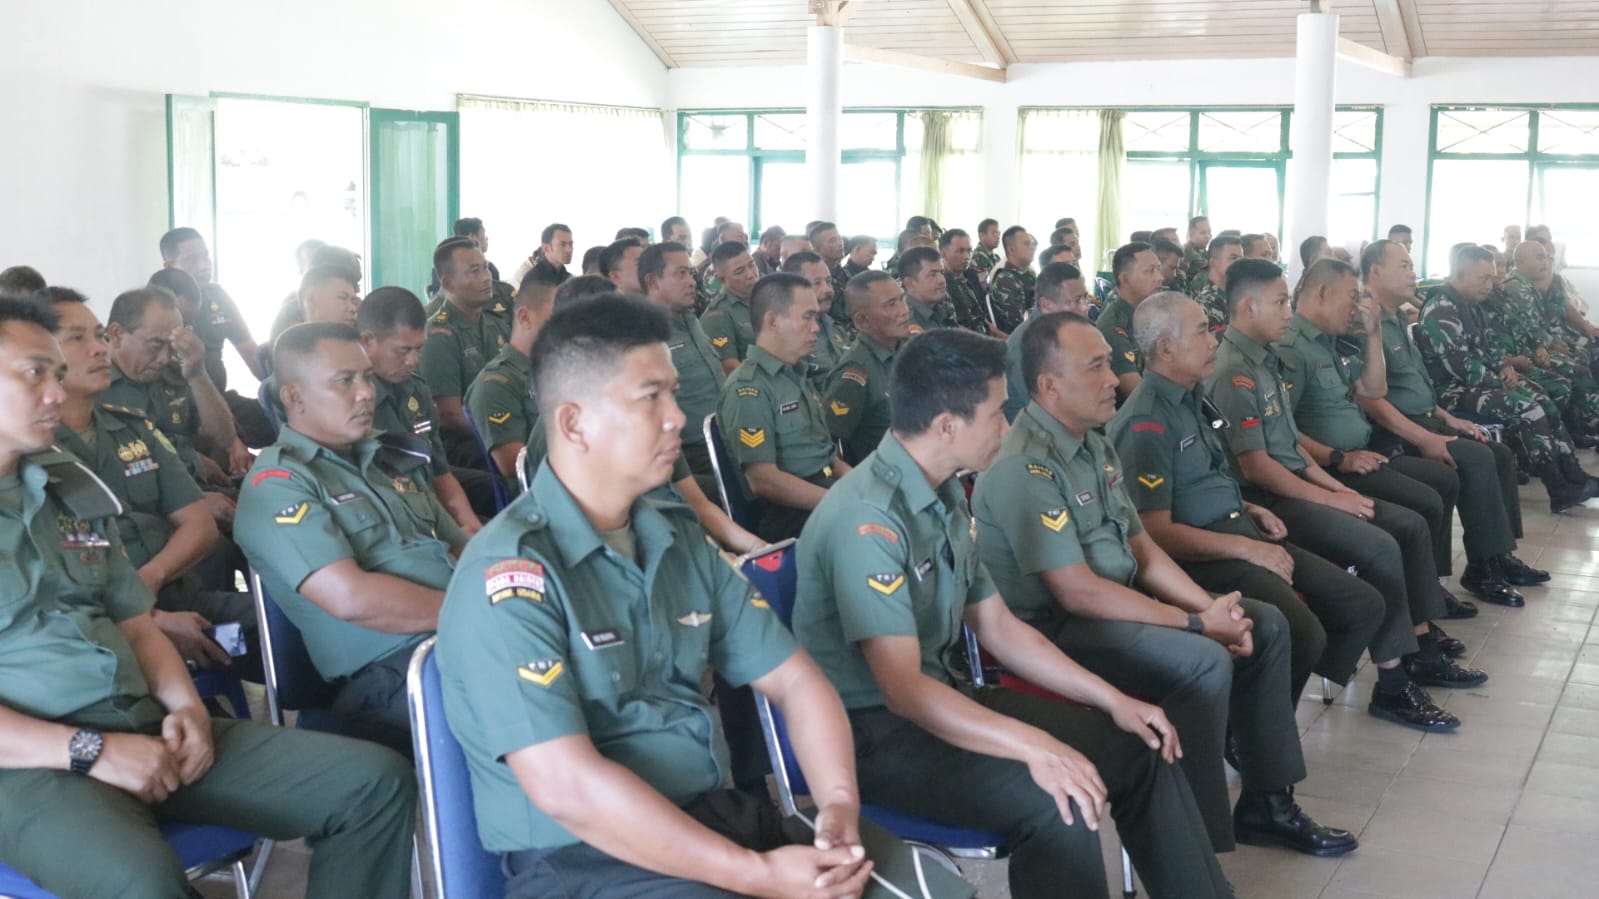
(616, 677)
(660, 657)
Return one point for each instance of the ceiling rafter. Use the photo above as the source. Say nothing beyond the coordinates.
(1396, 32)
(984, 32)
(644, 33)
(833, 12)
(856, 53)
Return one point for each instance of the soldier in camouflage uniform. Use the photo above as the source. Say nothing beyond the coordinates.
(964, 285)
(1209, 289)
(1012, 284)
(1197, 251)
(1454, 342)
(985, 256)
(1516, 332)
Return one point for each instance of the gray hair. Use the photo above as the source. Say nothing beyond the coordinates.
(1159, 315)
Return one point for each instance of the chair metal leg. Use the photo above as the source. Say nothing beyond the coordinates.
(259, 868)
(416, 869)
(1326, 692)
(1129, 889)
(241, 880)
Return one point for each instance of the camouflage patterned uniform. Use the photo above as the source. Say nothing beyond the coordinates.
(1214, 301)
(1518, 328)
(1195, 262)
(966, 292)
(1010, 295)
(984, 261)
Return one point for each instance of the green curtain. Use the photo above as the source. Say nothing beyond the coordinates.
(1112, 161)
(935, 149)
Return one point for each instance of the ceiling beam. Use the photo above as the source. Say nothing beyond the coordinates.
(1396, 27)
(984, 32)
(1375, 59)
(855, 53)
(644, 35)
(832, 12)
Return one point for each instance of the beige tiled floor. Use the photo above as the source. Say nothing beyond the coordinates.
(1506, 808)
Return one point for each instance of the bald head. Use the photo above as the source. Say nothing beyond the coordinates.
(1532, 260)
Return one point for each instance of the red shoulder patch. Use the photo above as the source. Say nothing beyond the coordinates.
(268, 474)
(1249, 423)
(1244, 381)
(867, 530)
(1155, 426)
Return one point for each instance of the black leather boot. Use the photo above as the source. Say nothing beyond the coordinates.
(1275, 819)
(1520, 573)
(1487, 583)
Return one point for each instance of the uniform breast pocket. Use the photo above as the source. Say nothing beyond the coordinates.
(86, 565)
(357, 517)
(604, 661)
(1329, 383)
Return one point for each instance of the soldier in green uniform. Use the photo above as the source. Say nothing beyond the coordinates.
(771, 417)
(985, 256)
(1137, 273)
(165, 524)
(963, 284)
(1452, 339)
(500, 399)
(828, 243)
(1196, 252)
(1392, 553)
(1170, 256)
(1012, 283)
(727, 319)
(1209, 287)
(392, 334)
(217, 321)
(105, 734)
(921, 271)
(345, 532)
(619, 263)
(573, 644)
(462, 338)
(1191, 506)
(888, 574)
(1063, 541)
(1060, 289)
(856, 398)
(860, 252)
(833, 336)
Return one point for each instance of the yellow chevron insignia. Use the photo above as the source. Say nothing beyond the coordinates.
(838, 408)
(542, 673)
(886, 584)
(500, 419)
(719, 342)
(292, 515)
(759, 603)
(1055, 519)
(752, 437)
(1151, 481)
(1130, 356)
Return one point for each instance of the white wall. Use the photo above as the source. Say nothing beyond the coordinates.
(82, 84)
(1173, 83)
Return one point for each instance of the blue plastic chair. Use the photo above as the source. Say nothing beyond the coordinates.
(292, 682)
(214, 682)
(269, 406)
(773, 571)
(502, 497)
(745, 512)
(462, 868)
(200, 848)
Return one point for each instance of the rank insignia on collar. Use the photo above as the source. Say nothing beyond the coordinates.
(293, 514)
(1054, 519)
(752, 437)
(886, 584)
(542, 672)
(695, 619)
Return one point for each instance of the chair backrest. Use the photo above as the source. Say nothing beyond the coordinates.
(774, 572)
(502, 498)
(292, 681)
(269, 407)
(523, 476)
(462, 868)
(738, 507)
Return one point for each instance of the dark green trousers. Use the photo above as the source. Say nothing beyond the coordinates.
(1486, 471)
(353, 802)
(1430, 489)
(371, 703)
(903, 767)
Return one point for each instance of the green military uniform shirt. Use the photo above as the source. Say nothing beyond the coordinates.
(1409, 387)
(926, 318)
(1167, 440)
(1249, 389)
(1016, 397)
(886, 554)
(1116, 323)
(169, 403)
(304, 507)
(727, 323)
(857, 397)
(1010, 294)
(699, 374)
(503, 306)
(141, 468)
(219, 322)
(64, 586)
(547, 631)
(1214, 301)
(1050, 500)
(769, 413)
(1324, 368)
(458, 348)
(499, 401)
(407, 408)
(831, 345)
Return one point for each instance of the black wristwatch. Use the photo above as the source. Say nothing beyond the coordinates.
(84, 750)
(1335, 458)
(1196, 624)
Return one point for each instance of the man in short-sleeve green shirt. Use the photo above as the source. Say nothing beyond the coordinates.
(462, 338)
(857, 390)
(500, 399)
(1138, 275)
(726, 320)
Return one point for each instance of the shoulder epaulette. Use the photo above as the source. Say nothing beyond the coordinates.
(75, 486)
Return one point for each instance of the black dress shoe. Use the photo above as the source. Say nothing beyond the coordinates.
(1484, 581)
(1442, 672)
(1275, 819)
(1447, 645)
(1457, 608)
(1411, 707)
(1520, 573)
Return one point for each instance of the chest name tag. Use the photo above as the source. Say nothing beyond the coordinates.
(789, 407)
(922, 570)
(674, 347)
(1084, 498)
(343, 498)
(604, 639)
(1186, 442)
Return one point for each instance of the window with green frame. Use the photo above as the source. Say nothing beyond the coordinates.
(749, 165)
(1493, 166)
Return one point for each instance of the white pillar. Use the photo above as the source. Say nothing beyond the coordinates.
(1310, 138)
(824, 112)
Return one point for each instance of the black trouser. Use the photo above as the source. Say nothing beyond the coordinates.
(1486, 470)
(778, 522)
(478, 485)
(698, 459)
(371, 705)
(1202, 689)
(903, 767)
(186, 594)
(1425, 487)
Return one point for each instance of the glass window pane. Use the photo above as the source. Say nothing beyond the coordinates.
(866, 199)
(782, 131)
(1154, 195)
(1482, 131)
(1355, 130)
(1063, 131)
(965, 193)
(965, 132)
(913, 133)
(1354, 176)
(1567, 208)
(1352, 209)
(1156, 131)
(785, 196)
(1242, 197)
(716, 132)
(1061, 184)
(1472, 199)
(869, 131)
(1568, 131)
(713, 186)
(1248, 131)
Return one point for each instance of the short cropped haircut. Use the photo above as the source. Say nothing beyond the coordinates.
(915, 222)
(1249, 240)
(467, 227)
(856, 242)
(1398, 230)
(1217, 244)
(299, 342)
(611, 257)
(858, 290)
(1012, 231)
(1468, 254)
(1310, 248)
(775, 232)
(129, 308)
(728, 250)
(903, 242)
(670, 222)
(1060, 235)
(1196, 221)
(388, 309)
(946, 370)
(1164, 247)
(1052, 278)
(318, 275)
(1248, 274)
(637, 234)
(1373, 255)
(653, 260)
(549, 232)
(327, 254)
(1041, 340)
(774, 293)
(985, 224)
(574, 291)
(53, 295)
(591, 258)
(171, 240)
(913, 260)
(1066, 222)
(948, 237)
(29, 312)
(1325, 271)
(21, 281)
(1122, 262)
(818, 229)
(180, 282)
(1142, 237)
(1159, 315)
(728, 226)
(796, 261)
(583, 341)
(1047, 255)
(444, 253)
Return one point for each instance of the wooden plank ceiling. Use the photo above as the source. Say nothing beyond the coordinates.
(997, 32)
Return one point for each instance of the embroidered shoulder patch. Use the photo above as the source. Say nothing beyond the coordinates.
(854, 375)
(1040, 471)
(268, 474)
(1151, 480)
(1244, 381)
(750, 392)
(838, 408)
(543, 672)
(1154, 426)
(292, 515)
(514, 579)
(868, 530)
(499, 419)
(719, 342)
(886, 584)
(752, 437)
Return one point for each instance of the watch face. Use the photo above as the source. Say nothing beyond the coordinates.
(85, 744)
